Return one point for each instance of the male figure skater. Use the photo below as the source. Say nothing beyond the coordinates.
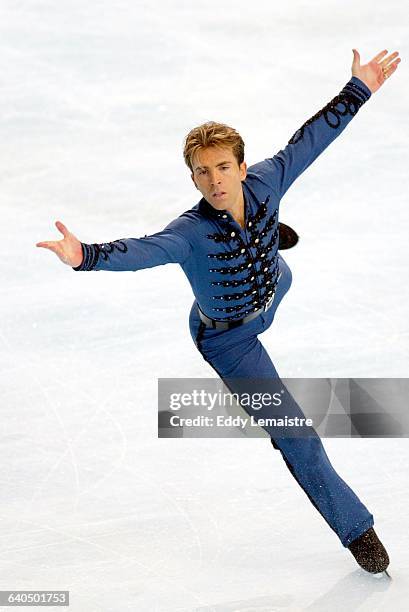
(227, 245)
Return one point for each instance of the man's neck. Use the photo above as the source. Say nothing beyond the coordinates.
(237, 210)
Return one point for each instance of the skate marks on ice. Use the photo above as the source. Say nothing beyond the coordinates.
(350, 592)
(263, 603)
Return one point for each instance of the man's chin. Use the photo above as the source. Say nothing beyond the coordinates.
(219, 201)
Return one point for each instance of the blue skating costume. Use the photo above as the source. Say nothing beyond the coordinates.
(236, 273)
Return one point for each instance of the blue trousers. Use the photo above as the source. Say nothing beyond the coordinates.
(237, 355)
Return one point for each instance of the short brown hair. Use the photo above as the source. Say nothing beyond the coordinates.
(212, 134)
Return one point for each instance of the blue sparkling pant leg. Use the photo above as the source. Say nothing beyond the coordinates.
(239, 358)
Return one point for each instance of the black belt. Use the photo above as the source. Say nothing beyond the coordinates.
(214, 324)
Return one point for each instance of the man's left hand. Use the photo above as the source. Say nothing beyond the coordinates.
(375, 73)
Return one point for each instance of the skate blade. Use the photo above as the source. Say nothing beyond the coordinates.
(380, 575)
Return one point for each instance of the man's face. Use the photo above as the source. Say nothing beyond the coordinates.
(217, 175)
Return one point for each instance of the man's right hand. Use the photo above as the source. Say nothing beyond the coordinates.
(68, 249)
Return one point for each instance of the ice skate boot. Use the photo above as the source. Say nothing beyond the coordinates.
(369, 552)
(287, 236)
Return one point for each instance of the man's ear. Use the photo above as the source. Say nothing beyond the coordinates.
(243, 171)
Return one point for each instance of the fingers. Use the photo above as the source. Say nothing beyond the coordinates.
(379, 56)
(390, 70)
(357, 58)
(52, 245)
(61, 227)
(388, 60)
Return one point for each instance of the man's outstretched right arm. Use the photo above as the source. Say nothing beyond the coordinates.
(125, 254)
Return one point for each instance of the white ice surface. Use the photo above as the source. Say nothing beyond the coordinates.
(96, 98)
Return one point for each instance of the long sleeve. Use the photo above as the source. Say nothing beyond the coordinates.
(312, 138)
(131, 254)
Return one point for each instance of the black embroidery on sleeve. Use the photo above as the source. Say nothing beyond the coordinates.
(352, 97)
(92, 252)
(107, 248)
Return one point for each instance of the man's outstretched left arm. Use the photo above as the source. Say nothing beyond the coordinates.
(314, 136)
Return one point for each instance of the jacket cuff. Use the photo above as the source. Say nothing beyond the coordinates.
(358, 89)
(90, 254)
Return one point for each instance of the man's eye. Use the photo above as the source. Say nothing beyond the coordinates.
(225, 167)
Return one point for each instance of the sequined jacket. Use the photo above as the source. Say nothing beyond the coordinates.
(233, 270)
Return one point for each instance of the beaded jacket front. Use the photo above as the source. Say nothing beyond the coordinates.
(233, 271)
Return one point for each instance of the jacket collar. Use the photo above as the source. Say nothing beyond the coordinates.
(208, 210)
